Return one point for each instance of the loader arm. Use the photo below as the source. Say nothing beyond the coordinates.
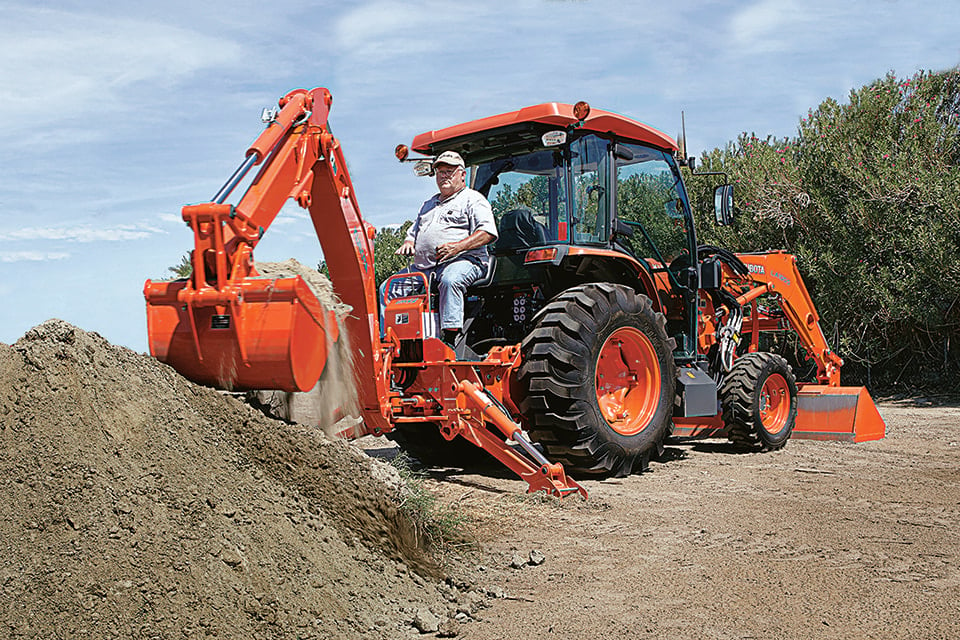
(776, 273)
(230, 328)
(825, 410)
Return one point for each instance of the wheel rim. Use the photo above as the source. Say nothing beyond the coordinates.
(628, 381)
(774, 403)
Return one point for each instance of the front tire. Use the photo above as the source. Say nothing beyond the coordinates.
(759, 399)
(599, 380)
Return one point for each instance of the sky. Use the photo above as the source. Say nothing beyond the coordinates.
(114, 114)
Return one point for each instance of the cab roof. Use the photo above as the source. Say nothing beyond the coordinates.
(554, 114)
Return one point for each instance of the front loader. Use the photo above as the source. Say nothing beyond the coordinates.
(599, 327)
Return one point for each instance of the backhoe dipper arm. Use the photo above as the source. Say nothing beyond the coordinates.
(301, 159)
(776, 273)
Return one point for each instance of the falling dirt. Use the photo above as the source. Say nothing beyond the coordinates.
(333, 400)
(135, 504)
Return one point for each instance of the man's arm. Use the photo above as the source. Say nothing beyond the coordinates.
(475, 240)
(407, 248)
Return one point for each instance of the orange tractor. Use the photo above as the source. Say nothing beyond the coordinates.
(600, 327)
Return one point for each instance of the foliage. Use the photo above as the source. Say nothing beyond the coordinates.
(385, 244)
(868, 196)
(443, 526)
(644, 198)
(385, 260)
(182, 269)
(533, 195)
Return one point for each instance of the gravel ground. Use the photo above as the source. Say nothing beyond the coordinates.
(819, 540)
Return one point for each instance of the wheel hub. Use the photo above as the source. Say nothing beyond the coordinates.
(774, 403)
(628, 381)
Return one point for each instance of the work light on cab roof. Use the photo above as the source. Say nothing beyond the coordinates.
(581, 110)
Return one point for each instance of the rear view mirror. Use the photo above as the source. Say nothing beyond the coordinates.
(423, 168)
(723, 204)
(622, 152)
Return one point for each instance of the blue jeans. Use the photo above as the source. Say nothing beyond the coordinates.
(452, 278)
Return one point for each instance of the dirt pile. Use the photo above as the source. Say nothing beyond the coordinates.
(138, 505)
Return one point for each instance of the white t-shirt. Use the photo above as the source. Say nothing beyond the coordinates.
(441, 221)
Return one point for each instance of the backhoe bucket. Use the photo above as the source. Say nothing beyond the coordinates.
(261, 333)
(837, 413)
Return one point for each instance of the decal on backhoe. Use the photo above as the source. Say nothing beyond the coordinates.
(358, 243)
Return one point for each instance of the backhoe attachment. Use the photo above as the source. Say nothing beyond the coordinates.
(229, 327)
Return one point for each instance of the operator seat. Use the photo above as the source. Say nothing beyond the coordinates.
(489, 270)
(518, 229)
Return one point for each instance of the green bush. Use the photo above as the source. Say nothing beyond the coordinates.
(385, 261)
(868, 197)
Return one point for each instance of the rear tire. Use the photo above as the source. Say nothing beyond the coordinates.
(759, 399)
(599, 380)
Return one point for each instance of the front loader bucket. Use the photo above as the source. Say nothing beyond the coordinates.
(260, 334)
(837, 413)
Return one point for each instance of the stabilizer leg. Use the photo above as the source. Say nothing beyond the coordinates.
(539, 473)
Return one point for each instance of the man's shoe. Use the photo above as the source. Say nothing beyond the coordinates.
(451, 337)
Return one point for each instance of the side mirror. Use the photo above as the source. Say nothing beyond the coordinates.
(423, 168)
(723, 204)
(622, 229)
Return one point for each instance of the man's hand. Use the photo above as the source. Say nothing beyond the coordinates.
(448, 250)
(406, 249)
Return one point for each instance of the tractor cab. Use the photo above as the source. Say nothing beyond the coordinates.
(597, 198)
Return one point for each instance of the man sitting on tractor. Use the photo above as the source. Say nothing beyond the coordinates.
(448, 240)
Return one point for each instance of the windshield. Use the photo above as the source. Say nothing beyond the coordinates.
(527, 195)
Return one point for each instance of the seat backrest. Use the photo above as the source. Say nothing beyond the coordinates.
(518, 229)
(488, 273)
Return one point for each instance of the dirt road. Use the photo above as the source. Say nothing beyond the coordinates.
(820, 540)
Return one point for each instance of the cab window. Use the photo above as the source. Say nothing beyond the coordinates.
(650, 196)
(589, 167)
(528, 196)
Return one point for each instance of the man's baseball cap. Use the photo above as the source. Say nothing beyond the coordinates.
(451, 158)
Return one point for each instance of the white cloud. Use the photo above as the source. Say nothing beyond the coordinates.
(59, 63)
(170, 217)
(83, 234)
(387, 29)
(767, 26)
(32, 256)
